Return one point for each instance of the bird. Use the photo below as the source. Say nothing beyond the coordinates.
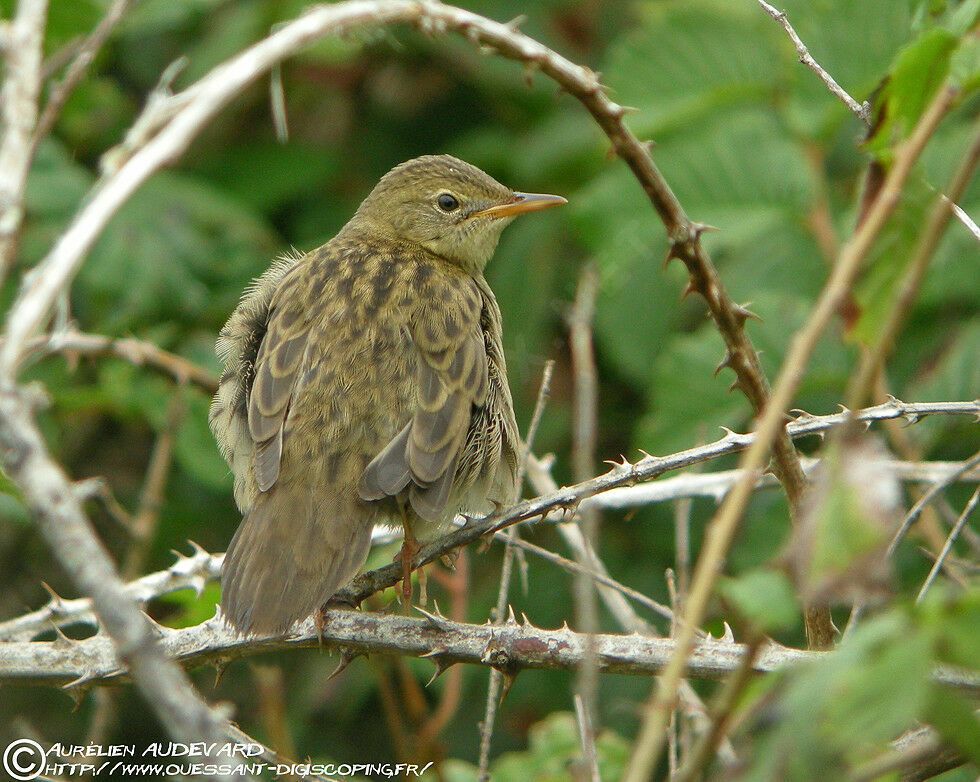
(364, 383)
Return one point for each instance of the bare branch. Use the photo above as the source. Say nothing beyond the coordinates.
(195, 570)
(188, 572)
(60, 518)
(926, 498)
(512, 646)
(135, 351)
(953, 534)
(76, 70)
(861, 110)
(23, 51)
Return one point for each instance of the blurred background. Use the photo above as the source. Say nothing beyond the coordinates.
(749, 140)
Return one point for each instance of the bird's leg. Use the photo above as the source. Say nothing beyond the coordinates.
(410, 547)
(318, 622)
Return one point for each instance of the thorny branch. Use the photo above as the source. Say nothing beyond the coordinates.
(195, 570)
(510, 647)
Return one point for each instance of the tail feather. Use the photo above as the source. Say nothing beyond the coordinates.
(289, 556)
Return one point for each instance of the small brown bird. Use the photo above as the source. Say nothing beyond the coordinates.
(364, 383)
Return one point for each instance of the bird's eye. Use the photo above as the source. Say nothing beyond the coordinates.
(447, 202)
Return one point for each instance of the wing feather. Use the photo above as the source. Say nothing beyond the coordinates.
(452, 383)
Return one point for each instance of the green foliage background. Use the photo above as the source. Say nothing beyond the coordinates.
(748, 139)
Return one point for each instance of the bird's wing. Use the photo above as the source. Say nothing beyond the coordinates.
(452, 379)
(278, 367)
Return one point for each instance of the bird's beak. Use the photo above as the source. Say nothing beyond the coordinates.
(520, 203)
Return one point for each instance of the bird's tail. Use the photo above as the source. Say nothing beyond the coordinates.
(288, 557)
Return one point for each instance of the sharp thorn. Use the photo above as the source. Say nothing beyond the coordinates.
(437, 621)
(726, 361)
(743, 313)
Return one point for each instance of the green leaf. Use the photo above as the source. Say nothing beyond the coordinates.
(964, 66)
(954, 717)
(917, 73)
(178, 249)
(763, 596)
(194, 447)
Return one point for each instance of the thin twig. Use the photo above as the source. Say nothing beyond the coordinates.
(83, 57)
(18, 109)
(496, 677)
(151, 496)
(721, 532)
(586, 735)
(618, 606)
(584, 434)
(135, 351)
(861, 110)
(598, 577)
(721, 715)
(926, 498)
(953, 534)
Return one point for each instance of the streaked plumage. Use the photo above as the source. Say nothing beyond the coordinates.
(365, 375)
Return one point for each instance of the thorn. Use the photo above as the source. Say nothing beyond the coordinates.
(564, 626)
(843, 409)
(441, 664)
(514, 24)
(689, 288)
(511, 619)
(155, 627)
(673, 251)
(530, 68)
(56, 605)
(734, 384)
(525, 622)
(198, 550)
(699, 228)
(647, 145)
(801, 415)
(911, 418)
(618, 112)
(728, 636)
(726, 361)
(438, 621)
(220, 665)
(743, 313)
(347, 656)
(78, 689)
(61, 641)
(509, 677)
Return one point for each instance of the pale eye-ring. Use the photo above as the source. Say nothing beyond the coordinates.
(447, 202)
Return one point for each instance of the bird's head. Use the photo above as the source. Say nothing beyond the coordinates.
(447, 206)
